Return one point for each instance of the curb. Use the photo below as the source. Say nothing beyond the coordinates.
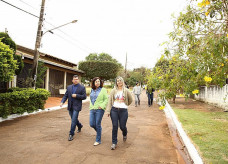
(13, 116)
(193, 153)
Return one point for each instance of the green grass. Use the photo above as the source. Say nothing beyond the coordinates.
(209, 131)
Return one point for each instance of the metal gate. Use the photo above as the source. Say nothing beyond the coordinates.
(56, 82)
(22, 79)
(69, 79)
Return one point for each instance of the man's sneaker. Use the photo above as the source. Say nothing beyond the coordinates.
(113, 146)
(96, 143)
(79, 129)
(124, 138)
(71, 137)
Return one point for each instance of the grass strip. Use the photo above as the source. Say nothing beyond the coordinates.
(208, 131)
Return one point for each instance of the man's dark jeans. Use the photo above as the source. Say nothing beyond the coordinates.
(150, 98)
(118, 116)
(74, 121)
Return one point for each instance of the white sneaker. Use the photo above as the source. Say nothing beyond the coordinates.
(113, 146)
(96, 143)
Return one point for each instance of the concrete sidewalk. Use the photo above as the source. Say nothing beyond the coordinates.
(42, 138)
(53, 102)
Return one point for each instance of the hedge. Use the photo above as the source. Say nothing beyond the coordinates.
(18, 101)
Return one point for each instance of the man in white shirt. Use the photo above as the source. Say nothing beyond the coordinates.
(137, 91)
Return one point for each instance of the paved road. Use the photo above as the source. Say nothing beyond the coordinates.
(42, 138)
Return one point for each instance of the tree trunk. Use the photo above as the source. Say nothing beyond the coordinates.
(174, 98)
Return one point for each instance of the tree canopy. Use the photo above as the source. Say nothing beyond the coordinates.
(8, 41)
(102, 57)
(196, 53)
(100, 65)
(7, 64)
(137, 75)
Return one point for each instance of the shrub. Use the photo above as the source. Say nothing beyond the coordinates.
(109, 86)
(22, 100)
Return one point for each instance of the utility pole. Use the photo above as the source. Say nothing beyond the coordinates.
(125, 72)
(6, 31)
(37, 45)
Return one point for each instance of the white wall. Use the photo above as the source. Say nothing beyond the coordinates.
(214, 95)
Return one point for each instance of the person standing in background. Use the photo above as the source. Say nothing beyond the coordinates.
(137, 91)
(150, 95)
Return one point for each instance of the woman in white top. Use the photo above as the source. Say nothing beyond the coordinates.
(119, 100)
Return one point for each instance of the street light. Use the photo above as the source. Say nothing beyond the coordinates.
(37, 46)
(74, 21)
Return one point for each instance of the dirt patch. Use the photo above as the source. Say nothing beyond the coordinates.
(181, 103)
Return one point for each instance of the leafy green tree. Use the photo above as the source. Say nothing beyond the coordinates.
(197, 51)
(7, 64)
(137, 75)
(200, 36)
(92, 56)
(102, 57)
(8, 41)
(133, 77)
(101, 65)
(172, 76)
(131, 81)
(142, 70)
(104, 69)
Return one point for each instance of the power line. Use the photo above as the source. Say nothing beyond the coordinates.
(73, 44)
(72, 38)
(69, 41)
(53, 26)
(19, 8)
(28, 4)
(77, 41)
(63, 31)
(72, 41)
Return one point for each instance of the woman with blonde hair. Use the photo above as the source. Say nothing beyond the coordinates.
(119, 100)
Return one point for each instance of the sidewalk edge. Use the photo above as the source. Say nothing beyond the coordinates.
(13, 116)
(194, 155)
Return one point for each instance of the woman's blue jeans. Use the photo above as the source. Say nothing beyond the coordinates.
(119, 116)
(96, 116)
(74, 121)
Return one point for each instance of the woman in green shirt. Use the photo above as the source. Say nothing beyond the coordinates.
(98, 103)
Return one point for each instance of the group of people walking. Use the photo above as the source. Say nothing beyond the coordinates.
(137, 90)
(116, 106)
